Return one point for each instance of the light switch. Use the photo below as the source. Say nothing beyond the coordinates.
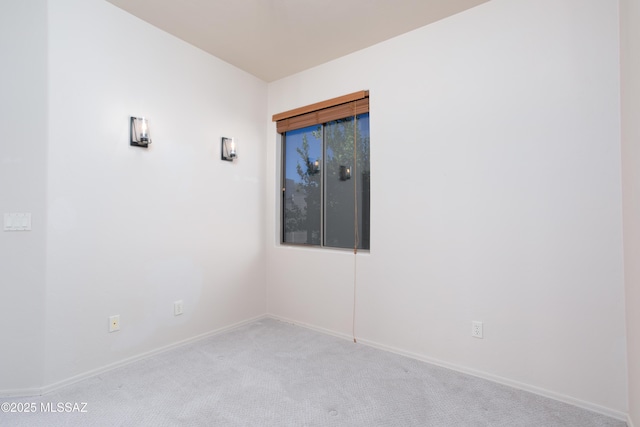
(17, 221)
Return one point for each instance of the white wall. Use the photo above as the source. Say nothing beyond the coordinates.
(630, 43)
(131, 230)
(23, 136)
(495, 196)
(506, 210)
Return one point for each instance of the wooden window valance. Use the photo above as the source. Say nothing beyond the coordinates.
(323, 112)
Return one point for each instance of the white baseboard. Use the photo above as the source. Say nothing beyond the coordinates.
(83, 376)
(484, 375)
(309, 326)
(21, 392)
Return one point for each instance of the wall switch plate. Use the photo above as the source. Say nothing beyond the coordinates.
(17, 221)
(114, 323)
(178, 308)
(476, 329)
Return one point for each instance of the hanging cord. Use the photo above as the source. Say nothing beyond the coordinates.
(356, 236)
(355, 261)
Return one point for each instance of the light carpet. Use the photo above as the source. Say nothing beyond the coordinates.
(271, 373)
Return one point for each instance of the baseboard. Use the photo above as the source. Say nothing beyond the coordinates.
(309, 326)
(629, 422)
(505, 381)
(83, 376)
(21, 392)
(479, 374)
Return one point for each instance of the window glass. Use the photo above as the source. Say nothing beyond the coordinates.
(326, 181)
(347, 174)
(302, 186)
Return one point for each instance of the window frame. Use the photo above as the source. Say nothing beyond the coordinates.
(322, 113)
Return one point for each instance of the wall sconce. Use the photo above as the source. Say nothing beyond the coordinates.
(313, 167)
(345, 173)
(140, 132)
(229, 153)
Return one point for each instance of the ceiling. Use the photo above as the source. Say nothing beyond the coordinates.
(272, 39)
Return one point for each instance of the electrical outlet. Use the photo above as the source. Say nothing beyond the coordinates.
(178, 308)
(114, 323)
(476, 329)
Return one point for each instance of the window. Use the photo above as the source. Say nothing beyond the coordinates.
(326, 173)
